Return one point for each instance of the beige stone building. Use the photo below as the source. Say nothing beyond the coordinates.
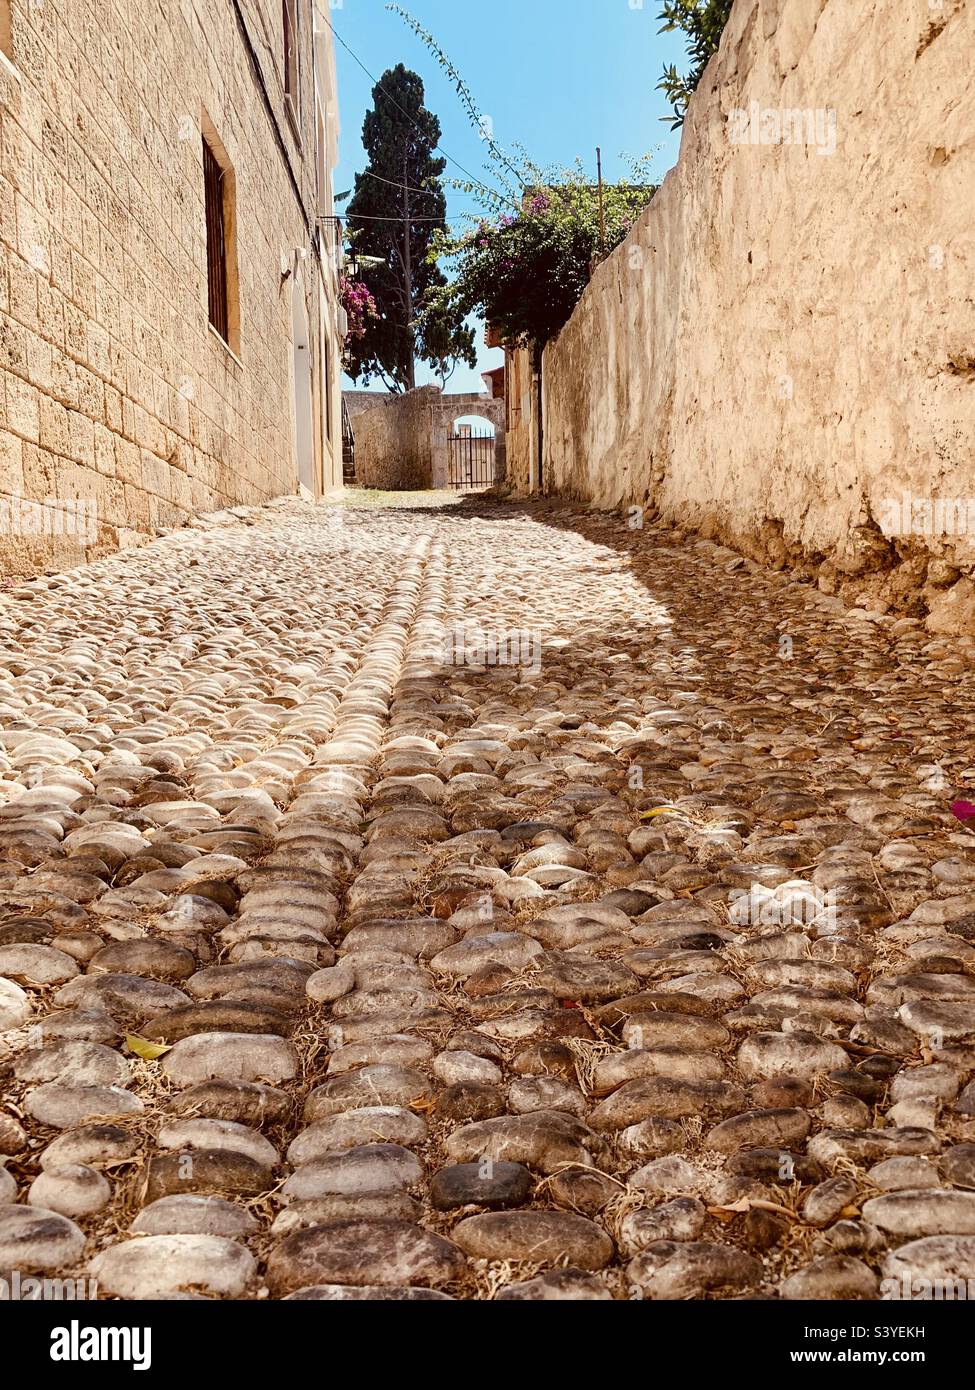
(170, 332)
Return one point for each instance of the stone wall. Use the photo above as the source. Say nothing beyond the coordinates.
(358, 401)
(113, 387)
(401, 441)
(785, 344)
(392, 442)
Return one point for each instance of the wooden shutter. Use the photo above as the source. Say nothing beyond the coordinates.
(290, 11)
(216, 243)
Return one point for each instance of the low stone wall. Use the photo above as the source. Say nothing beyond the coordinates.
(356, 402)
(392, 442)
(402, 441)
(782, 352)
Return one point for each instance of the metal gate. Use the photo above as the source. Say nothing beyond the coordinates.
(471, 460)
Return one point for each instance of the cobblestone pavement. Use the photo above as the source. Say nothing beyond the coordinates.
(637, 964)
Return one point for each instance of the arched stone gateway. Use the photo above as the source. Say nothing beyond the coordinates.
(403, 442)
(455, 464)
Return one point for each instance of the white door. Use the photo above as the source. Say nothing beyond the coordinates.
(304, 436)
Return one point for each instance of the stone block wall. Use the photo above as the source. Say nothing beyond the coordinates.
(113, 387)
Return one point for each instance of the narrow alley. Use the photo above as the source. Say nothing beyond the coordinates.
(478, 899)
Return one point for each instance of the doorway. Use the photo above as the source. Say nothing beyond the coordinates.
(304, 431)
(471, 448)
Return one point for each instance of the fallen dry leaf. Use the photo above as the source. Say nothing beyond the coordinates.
(142, 1047)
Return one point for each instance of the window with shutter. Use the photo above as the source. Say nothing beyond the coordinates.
(291, 74)
(216, 243)
(219, 198)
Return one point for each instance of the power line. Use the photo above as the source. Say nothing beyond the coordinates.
(463, 90)
(394, 183)
(361, 217)
(375, 81)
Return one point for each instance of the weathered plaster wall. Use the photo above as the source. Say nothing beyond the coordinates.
(113, 388)
(401, 441)
(786, 340)
(392, 442)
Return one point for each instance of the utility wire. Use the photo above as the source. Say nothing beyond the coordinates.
(491, 191)
(395, 183)
(361, 217)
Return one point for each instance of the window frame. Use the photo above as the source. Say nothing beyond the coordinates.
(291, 69)
(220, 218)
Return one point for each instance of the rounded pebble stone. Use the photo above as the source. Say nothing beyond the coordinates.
(193, 1216)
(72, 1190)
(535, 1235)
(363, 1252)
(32, 1237)
(151, 1266)
(537, 981)
(487, 1184)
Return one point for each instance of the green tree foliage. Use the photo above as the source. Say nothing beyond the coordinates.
(703, 22)
(396, 212)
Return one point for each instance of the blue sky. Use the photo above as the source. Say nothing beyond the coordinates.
(558, 76)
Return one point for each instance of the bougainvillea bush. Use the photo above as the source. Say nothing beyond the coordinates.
(358, 303)
(525, 270)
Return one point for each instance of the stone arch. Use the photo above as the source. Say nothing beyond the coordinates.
(446, 409)
(476, 416)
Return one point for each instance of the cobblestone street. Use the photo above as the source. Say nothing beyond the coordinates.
(339, 959)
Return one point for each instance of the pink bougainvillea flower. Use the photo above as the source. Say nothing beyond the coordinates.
(358, 303)
(963, 810)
